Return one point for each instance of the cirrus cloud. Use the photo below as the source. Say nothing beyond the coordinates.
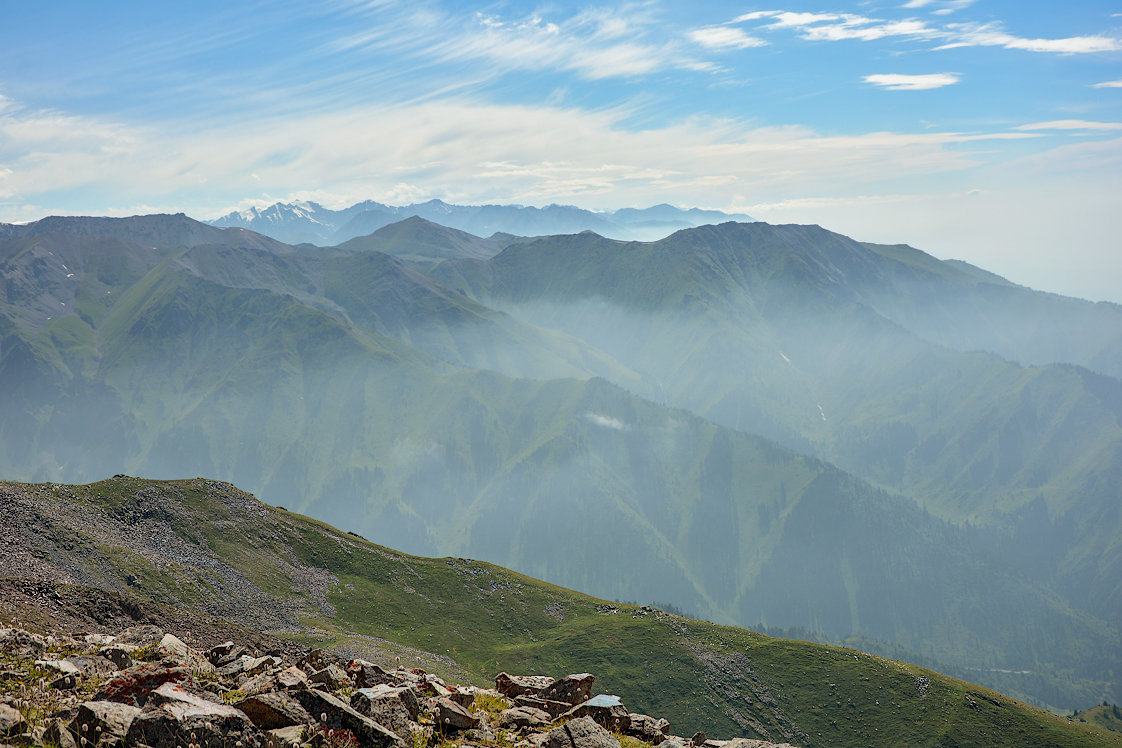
(899, 82)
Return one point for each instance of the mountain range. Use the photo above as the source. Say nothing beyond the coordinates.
(756, 424)
(305, 221)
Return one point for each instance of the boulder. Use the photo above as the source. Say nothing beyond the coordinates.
(103, 723)
(218, 652)
(172, 648)
(581, 732)
(317, 659)
(521, 717)
(393, 708)
(133, 686)
(329, 712)
(92, 666)
(606, 710)
(63, 667)
(21, 644)
(366, 674)
(291, 677)
(648, 729)
(99, 640)
(58, 734)
(12, 722)
(450, 715)
(272, 711)
(332, 678)
(140, 636)
(119, 655)
(176, 717)
(462, 696)
(285, 737)
(517, 685)
(572, 689)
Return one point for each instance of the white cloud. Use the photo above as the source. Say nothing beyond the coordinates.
(898, 82)
(605, 421)
(847, 26)
(1108, 84)
(1072, 124)
(724, 37)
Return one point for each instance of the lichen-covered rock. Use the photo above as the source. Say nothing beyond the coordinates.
(367, 674)
(133, 686)
(12, 722)
(331, 677)
(648, 729)
(517, 685)
(140, 636)
(171, 647)
(175, 717)
(285, 737)
(581, 732)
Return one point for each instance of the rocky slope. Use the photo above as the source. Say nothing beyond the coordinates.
(170, 554)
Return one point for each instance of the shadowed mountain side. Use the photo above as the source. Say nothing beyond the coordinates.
(205, 546)
(418, 240)
(764, 329)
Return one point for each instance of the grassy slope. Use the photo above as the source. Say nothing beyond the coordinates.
(727, 681)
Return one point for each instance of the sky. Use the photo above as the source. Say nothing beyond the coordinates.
(982, 130)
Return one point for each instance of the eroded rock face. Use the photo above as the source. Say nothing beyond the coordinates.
(648, 729)
(581, 732)
(329, 711)
(272, 711)
(451, 715)
(521, 717)
(396, 709)
(572, 689)
(173, 717)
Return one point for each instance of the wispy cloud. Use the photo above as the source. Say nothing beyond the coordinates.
(942, 7)
(724, 37)
(1108, 84)
(898, 82)
(848, 26)
(1072, 124)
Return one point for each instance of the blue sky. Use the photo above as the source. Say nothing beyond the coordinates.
(983, 130)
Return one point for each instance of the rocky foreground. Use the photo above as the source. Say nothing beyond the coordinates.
(146, 687)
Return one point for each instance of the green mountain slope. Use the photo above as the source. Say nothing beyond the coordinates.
(209, 547)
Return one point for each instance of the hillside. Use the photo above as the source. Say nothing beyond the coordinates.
(617, 401)
(213, 549)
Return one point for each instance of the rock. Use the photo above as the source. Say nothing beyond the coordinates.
(520, 717)
(65, 682)
(119, 655)
(366, 674)
(58, 734)
(65, 667)
(133, 686)
(328, 711)
(291, 677)
(175, 717)
(517, 685)
(140, 636)
(675, 742)
(317, 659)
(449, 714)
(172, 648)
(103, 723)
(749, 743)
(234, 666)
(219, 652)
(285, 737)
(272, 711)
(573, 689)
(332, 677)
(12, 722)
(394, 708)
(99, 640)
(92, 666)
(606, 710)
(21, 644)
(462, 696)
(581, 732)
(553, 708)
(648, 729)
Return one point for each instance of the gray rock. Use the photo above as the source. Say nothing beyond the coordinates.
(573, 689)
(172, 648)
(133, 686)
(517, 685)
(328, 711)
(605, 710)
(450, 715)
(393, 708)
(11, 721)
(520, 717)
(272, 711)
(332, 677)
(648, 728)
(58, 734)
(553, 708)
(285, 737)
(175, 717)
(120, 656)
(92, 666)
(367, 674)
(21, 644)
(103, 723)
(140, 636)
(581, 732)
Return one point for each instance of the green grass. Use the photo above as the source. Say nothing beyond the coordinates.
(486, 619)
